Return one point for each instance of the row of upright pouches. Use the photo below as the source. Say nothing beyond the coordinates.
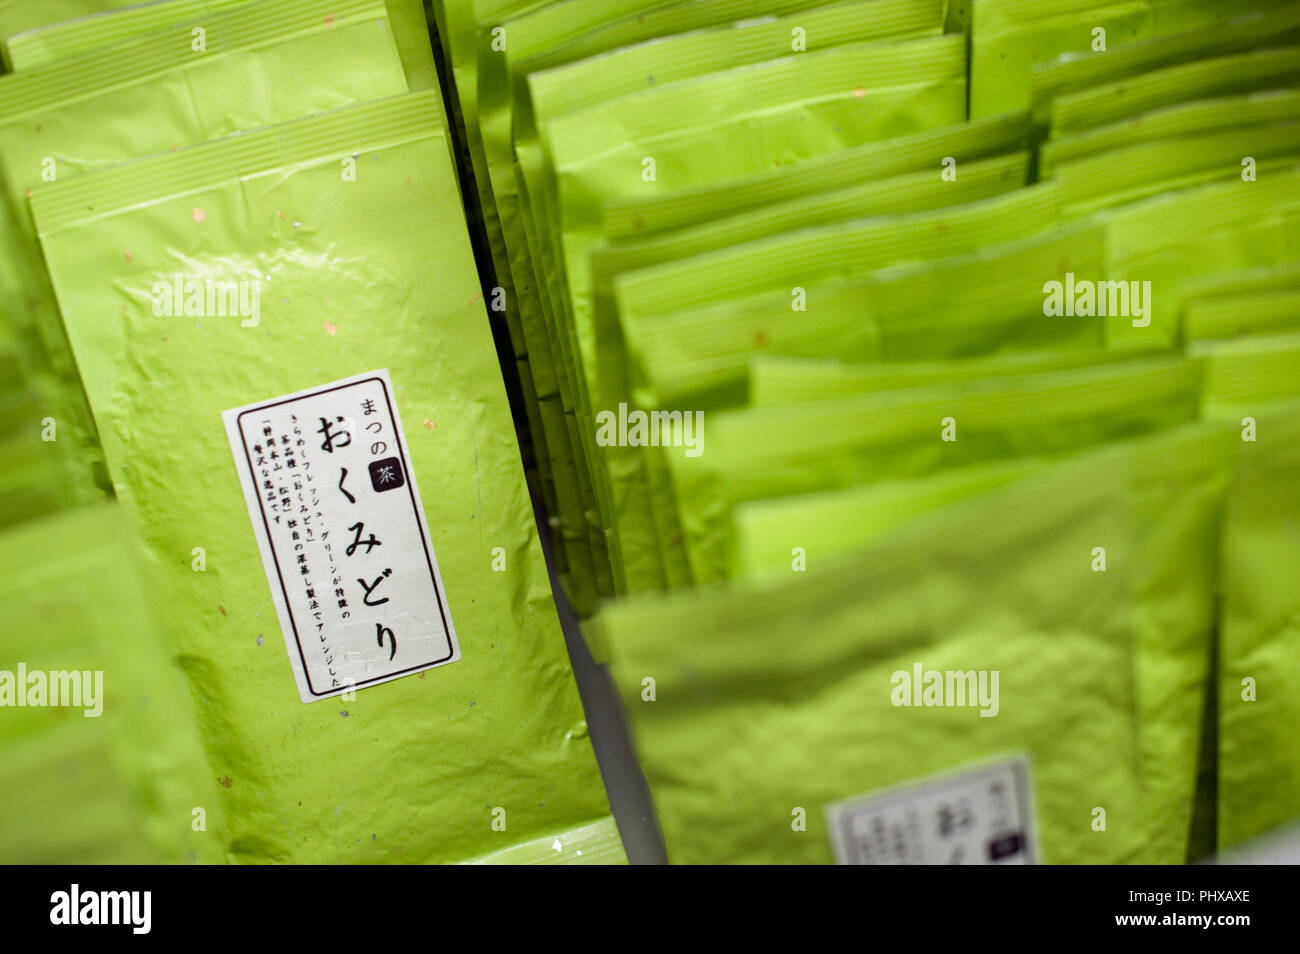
(295, 156)
(873, 341)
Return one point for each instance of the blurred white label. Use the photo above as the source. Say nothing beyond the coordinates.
(981, 816)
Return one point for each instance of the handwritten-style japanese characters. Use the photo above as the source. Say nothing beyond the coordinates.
(351, 567)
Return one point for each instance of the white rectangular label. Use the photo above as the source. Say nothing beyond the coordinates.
(982, 816)
(342, 534)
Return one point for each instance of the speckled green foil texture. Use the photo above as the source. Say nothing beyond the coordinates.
(756, 700)
(357, 272)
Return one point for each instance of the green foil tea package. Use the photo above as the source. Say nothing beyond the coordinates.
(299, 260)
(755, 744)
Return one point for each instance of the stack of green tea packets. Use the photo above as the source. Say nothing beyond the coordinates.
(1204, 123)
(99, 746)
(911, 388)
(816, 288)
(67, 117)
(1049, 621)
(239, 250)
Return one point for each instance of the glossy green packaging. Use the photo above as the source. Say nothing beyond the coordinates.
(825, 186)
(1257, 27)
(17, 16)
(767, 453)
(60, 39)
(788, 262)
(155, 93)
(1254, 70)
(537, 79)
(766, 114)
(746, 735)
(1177, 239)
(1010, 37)
(1259, 638)
(1253, 385)
(350, 223)
(914, 192)
(1254, 111)
(101, 761)
(1260, 300)
(699, 355)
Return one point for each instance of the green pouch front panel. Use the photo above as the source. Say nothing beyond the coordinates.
(1259, 774)
(902, 193)
(1254, 386)
(345, 294)
(1175, 241)
(778, 452)
(665, 45)
(811, 532)
(763, 113)
(1127, 176)
(794, 260)
(893, 196)
(1256, 70)
(68, 39)
(559, 90)
(557, 80)
(803, 257)
(833, 523)
(632, 217)
(31, 481)
(1257, 110)
(824, 525)
(989, 302)
(1259, 26)
(57, 434)
(107, 766)
(83, 113)
(1253, 301)
(1255, 370)
(18, 16)
(750, 730)
(59, 40)
(777, 382)
(155, 93)
(1010, 37)
(1254, 314)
